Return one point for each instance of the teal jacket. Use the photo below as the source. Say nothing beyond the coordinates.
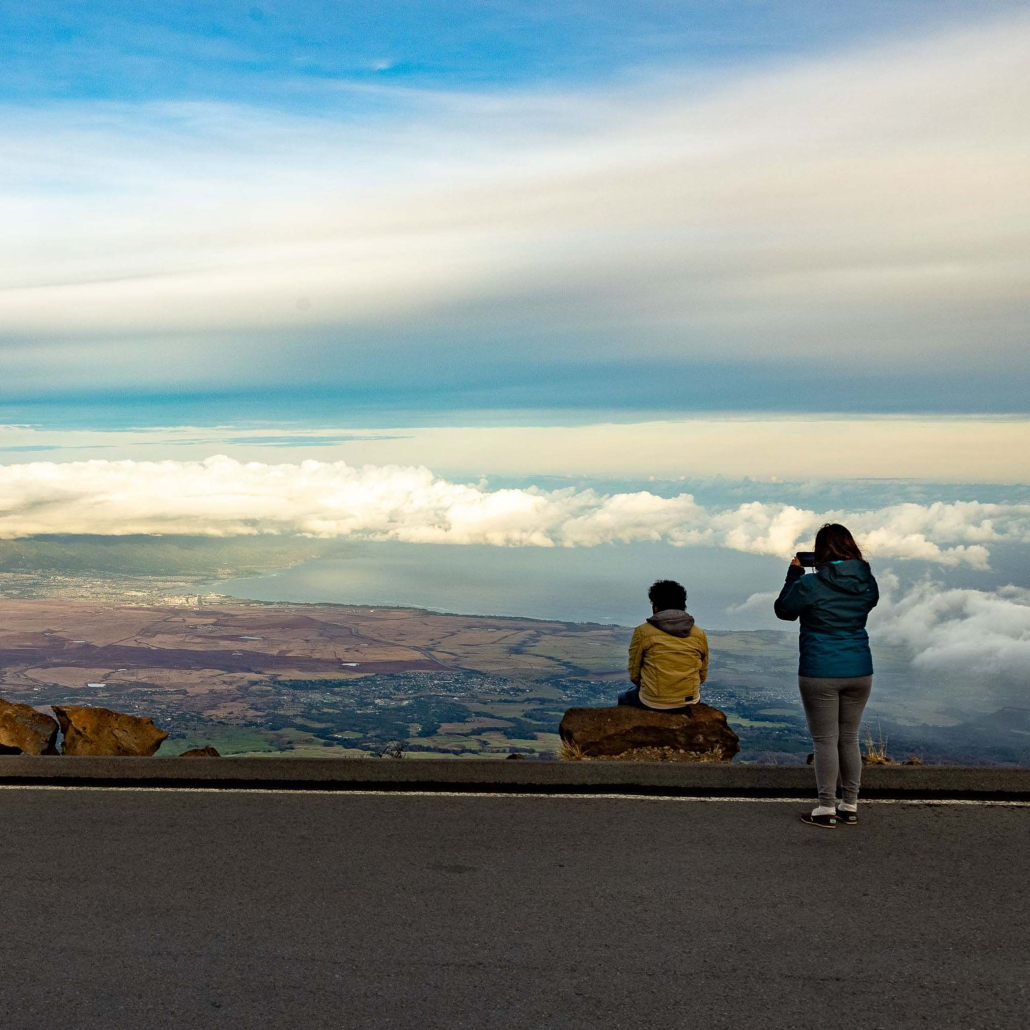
(833, 606)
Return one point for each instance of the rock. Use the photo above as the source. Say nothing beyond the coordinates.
(608, 732)
(516, 758)
(99, 731)
(24, 731)
(201, 752)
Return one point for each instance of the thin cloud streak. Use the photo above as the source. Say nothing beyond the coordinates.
(793, 448)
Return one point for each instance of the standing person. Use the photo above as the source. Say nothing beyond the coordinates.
(835, 673)
(668, 655)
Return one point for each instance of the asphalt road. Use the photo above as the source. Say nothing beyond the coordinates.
(293, 910)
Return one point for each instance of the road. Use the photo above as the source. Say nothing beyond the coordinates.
(165, 908)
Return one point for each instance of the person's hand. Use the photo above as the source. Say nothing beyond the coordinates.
(794, 561)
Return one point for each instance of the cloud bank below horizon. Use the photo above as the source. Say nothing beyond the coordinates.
(223, 497)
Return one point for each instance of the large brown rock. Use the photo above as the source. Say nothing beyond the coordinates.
(202, 752)
(99, 731)
(608, 732)
(23, 730)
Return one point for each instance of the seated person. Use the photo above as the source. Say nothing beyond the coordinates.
(668, 656)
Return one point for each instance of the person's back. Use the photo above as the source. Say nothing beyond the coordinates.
(832, 606)
(668, 655)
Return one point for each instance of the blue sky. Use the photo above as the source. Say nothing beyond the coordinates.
(338, 209)
(264, 52)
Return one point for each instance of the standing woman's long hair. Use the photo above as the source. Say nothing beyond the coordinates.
(834, 542)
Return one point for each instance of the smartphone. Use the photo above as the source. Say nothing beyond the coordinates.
(807, 558)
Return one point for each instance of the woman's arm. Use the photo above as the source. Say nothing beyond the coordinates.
(791, 602)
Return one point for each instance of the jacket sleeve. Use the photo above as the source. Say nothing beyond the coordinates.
(636, 656)
(792, 600)
(874, 593)
(703, 673)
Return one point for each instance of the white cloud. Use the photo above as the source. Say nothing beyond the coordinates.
(856, 209)
(221, 496)
(760, 602)
(959, 633)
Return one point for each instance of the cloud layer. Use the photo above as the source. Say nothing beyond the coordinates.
(853, 213)
(981, 637)
(224, 497)
(954, 633)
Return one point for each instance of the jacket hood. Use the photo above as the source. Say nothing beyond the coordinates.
(850, 577)
(673, 621)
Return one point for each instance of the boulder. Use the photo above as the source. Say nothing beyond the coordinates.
(23, 730)
(609, 732)
(99, 731)
(201, 752)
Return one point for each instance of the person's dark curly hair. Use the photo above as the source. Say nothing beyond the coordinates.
(667, 593)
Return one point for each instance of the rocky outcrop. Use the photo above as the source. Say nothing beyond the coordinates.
(701, 733)
(24, 731)
(100, 731)
(201, 752)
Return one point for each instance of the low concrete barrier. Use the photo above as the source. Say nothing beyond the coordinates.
(475, 775)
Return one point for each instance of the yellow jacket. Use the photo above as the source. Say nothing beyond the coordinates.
(668, 660)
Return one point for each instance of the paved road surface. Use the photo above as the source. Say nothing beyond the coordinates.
(179, 909)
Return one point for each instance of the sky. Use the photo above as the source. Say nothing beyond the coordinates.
(661, 207)
(554, 276)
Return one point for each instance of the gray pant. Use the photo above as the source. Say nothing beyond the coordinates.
(834, 710)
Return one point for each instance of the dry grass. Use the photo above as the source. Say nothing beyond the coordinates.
(572, 752)
(569, 751)
(876, 749)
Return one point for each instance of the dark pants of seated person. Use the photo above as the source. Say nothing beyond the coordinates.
(631, 697)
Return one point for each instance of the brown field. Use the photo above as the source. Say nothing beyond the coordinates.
(237, 644)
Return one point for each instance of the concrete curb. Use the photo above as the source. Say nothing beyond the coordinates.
(478, 776)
